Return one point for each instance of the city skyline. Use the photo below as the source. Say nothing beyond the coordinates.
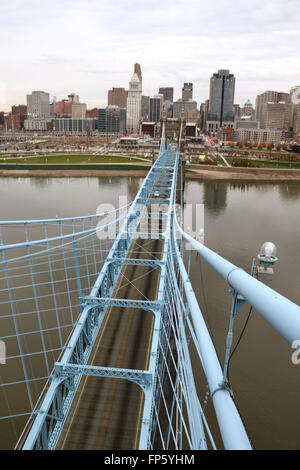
(88, 50)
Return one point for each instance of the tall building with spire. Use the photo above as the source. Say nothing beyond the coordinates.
(134, 100)
(138, 71)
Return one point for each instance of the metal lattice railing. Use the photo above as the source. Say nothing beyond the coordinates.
(59, 282)
(42, 279)
(56, 287)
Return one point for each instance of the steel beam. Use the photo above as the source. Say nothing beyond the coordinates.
(141, 377)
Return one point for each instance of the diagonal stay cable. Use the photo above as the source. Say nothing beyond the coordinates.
(136, 279)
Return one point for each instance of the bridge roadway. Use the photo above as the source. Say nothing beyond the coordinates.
(106, 413)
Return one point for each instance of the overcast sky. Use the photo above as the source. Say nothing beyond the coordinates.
(89, 46)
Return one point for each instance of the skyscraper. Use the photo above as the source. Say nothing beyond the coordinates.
(168, 93)
(187, 91)
(296, 121)
(267, 96)
(145, 112)
(276, 115)
(112, 119)
(155, 109)
(38, 104)
(117, 97)
(38, 109)
(134, 99)
(138, 71)
(294, 98)
(221, 100)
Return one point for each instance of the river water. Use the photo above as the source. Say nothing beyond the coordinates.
(238, 218)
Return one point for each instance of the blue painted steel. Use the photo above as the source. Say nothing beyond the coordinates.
(232, 429)
(175, 310)
(124, 239)
(276, 309)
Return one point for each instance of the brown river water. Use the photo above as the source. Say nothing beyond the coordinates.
(238, 218)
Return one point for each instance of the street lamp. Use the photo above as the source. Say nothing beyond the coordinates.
(267, 257)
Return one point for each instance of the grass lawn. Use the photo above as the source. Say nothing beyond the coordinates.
(270, 163)
(66, 159)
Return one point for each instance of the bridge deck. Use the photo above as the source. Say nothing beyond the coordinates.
(106, 412)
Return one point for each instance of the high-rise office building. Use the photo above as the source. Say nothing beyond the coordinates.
(145, 112)
(168, 108)
(102, 119)
(168, 93)
(117, 97)
(112, 119)
(296, 121)
(294, 99)
(276, 115)
(155, 109)
(187, 109)
(134, 100)
(269, 96)
(187, 91)
(203, 114)
(115, 119)
(38, 104)
(221, 96)
(221, 100)
(38, 112)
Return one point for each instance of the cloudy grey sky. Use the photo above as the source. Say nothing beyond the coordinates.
(89, 46)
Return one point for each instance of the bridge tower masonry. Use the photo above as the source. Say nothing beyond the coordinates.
(172, 132)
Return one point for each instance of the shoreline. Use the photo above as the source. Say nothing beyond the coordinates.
(207, 173)
(243, 174)
(73, 173)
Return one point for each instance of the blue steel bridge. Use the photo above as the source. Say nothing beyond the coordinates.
(98, 320)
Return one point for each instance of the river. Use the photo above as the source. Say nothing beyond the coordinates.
(238, 218)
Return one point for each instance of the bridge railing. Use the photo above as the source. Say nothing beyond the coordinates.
(47, 425)
(42, 281)
(54, 291)
(282, 314)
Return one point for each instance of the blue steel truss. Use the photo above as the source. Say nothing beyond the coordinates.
(175, 311)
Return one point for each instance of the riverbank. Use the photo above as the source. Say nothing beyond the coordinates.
(205, 173)
(73, 173)
(243, 174)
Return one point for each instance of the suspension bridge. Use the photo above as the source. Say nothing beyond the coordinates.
(98, 319)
